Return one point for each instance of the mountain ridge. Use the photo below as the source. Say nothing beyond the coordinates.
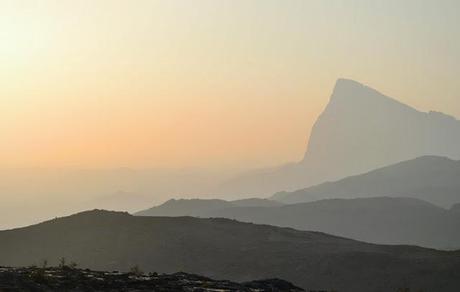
(431, 178)
(228, 249)
(359, 130)
(191, 207)
(379, 220)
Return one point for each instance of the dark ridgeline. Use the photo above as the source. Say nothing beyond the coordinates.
(66, 278)
(227, 249)
(400, 218)
(360, 130)
(382, 220)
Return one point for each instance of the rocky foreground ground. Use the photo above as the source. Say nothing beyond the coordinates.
(72, 279)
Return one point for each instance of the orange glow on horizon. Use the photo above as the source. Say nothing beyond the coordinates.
(201, 84)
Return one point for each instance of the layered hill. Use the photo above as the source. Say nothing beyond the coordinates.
(381, 220)
(196, 207)
(430, 178)
(359, 130)
(226, 249)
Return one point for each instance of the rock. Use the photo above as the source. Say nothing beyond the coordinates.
(72, 279)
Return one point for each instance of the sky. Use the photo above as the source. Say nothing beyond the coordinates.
(206, 83)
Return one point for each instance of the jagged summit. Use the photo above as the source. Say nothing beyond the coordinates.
(360, 97)
(344, 85)
(360, 130)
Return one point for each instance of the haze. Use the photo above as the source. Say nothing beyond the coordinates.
(121, 105)
(230, 145)
(214, 84)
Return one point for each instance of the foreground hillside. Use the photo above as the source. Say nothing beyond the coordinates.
(430, 178)
(226, 249)
(66, 278)
(380, 220)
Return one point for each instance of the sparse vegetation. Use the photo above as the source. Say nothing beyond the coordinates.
(73, 265)
(44, 264)
(58, 279)
(62, 262)
(136, 271)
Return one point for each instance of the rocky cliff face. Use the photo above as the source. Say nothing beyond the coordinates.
(360, 130)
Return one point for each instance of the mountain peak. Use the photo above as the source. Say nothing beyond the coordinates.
(349, 88)
(359, 130)
(344, 83)
(362, 129)
(358, 95)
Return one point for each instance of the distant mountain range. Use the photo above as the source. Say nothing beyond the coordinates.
(52, 192)
(197, 207)
(430, 178)
(360, 130)
(391, 205)
(226, 249)
(381, 220)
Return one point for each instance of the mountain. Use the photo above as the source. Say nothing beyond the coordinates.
(360, 130)
(430, 178)
(227, 249)
(256, 202)
(54, 192)
(382, 220)
(195, 207)
(184, 207)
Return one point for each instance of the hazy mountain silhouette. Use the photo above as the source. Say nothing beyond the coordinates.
(256, 202)
(196, 207)
(381, 220)
(54, 192)
(360, 130)
(378, 220)
(433, 179)
(226, 249)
